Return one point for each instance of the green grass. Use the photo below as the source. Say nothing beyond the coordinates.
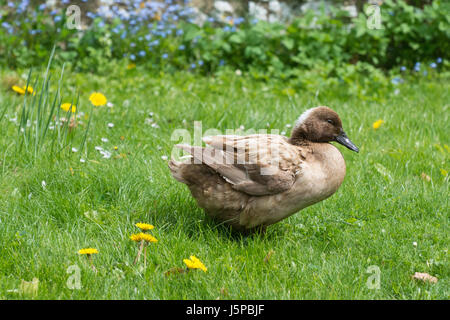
(323, 252)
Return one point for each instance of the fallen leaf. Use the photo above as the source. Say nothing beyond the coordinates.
(425, 277)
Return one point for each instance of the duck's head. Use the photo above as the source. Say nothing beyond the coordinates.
(320, 124)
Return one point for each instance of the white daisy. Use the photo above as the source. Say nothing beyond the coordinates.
(106, 154)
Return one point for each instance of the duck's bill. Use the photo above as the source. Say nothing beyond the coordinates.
(345, 141)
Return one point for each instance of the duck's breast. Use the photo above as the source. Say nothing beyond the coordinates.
(320, 175)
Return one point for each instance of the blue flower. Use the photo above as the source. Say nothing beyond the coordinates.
(23, 6)
(425, 73)
(193, 65)
(165, 56)
(42, 6)
(402, 68)
(417, 67)
(221, 62)
(132, 57)
(239, 20)
(142, 53)
(57, 18)
(433, 65)
(396, 80)
(6, 25)
(200, 62)
(439, 60)
(182, 47)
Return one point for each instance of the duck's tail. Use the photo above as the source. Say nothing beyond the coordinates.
(176, 168)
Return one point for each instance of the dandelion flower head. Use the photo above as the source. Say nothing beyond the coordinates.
(143, 237)
(66, 107)
(194, 263)
(88, 251)
(22, 90)
(97, 99)
(377, 124)
(144, 226)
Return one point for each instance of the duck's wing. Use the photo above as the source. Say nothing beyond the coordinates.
(255, 164)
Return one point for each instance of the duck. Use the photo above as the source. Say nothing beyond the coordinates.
(253, 181)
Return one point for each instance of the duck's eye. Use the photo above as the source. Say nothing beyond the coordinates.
(330, 121)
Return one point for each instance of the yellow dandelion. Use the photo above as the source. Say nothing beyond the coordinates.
(377, 124)
(88, 251)
(18, 89)
(30, 90)
(98, 99)
(143, 236)
(66, 107)
(22, 90)
(194, 263)
(143, 226)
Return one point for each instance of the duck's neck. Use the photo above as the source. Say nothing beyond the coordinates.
(299, 136)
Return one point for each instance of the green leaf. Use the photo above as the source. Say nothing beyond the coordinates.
(288, 43)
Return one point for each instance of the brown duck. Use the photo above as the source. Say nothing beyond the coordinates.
(251, 182)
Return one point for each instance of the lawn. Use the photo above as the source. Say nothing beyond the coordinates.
(390, 215)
